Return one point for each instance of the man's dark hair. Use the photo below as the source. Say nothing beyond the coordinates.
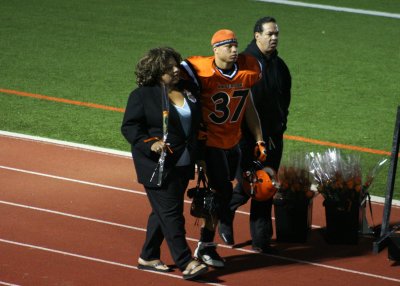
(258, 26)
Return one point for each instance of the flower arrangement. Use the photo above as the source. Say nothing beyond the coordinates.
(371, 175)
(339, 177)
(295, 179)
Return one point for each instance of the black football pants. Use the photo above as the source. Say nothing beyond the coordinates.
(221, 170)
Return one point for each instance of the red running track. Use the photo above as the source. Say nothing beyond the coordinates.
(72, 216)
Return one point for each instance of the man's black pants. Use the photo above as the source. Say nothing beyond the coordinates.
(261, 228)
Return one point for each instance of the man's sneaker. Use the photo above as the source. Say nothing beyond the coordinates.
(206, 251)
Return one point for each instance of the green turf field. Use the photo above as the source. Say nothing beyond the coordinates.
(345, 66)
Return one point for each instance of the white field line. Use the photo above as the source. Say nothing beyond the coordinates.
(67, 144)
(80, 182)
(72, 216)
(72, 180)
(107, 151)
(7, 284)
(188, 238)
(334, 8)
(94, 259)
(99, 185)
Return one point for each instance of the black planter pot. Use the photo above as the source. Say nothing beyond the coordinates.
(342, 221)
(394, 247)
(293, 219)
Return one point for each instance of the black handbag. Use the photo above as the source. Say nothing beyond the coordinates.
(205, 202)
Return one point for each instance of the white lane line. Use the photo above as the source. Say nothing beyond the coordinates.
(195, 240)
(7, 284)
(100, 185)
(78, 181)
(72, 215)
(334, 8)
(93, 259)
(64, 144)
(71, 180)
(84, 218)
(394, 203)
(337, 268)
(113, 152)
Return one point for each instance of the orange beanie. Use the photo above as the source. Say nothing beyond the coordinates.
(223, 37)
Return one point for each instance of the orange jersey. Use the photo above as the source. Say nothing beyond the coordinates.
(223, 98)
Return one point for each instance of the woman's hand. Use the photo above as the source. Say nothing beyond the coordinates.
(158, 146)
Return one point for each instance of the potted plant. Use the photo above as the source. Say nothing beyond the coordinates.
(339, 181)
(293, 201)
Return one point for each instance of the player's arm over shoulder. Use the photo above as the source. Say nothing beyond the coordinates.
(251, 64)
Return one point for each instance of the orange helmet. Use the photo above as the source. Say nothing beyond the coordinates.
(260, 185)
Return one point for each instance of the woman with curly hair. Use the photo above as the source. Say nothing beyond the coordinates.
(160, 122)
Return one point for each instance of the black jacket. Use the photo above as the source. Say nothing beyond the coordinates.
(143, 120)
(272, 93)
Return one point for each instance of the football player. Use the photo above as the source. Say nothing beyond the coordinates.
(225, 80)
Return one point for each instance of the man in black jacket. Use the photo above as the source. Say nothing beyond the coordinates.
(272, 98)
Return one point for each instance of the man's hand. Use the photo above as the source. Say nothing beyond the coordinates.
(260, 151)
